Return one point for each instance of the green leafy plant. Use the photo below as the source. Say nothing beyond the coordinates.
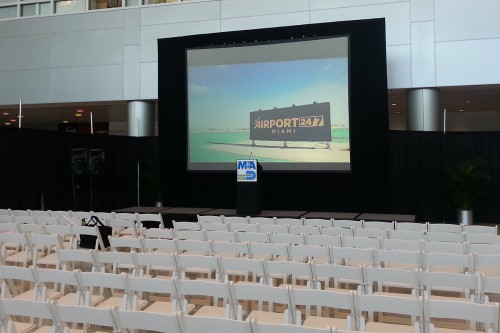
(467, 183)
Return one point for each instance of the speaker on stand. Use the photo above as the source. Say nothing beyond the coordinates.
(79, 166)
(95, 168)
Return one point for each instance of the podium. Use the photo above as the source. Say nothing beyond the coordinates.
(248, 183)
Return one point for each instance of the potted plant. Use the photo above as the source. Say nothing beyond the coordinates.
(467, 183)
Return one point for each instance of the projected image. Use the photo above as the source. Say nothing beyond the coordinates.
(283, 104)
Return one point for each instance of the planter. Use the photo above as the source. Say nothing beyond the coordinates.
(465, 217)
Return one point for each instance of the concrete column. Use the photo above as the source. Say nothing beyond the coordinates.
(141, 118)
(422, 109)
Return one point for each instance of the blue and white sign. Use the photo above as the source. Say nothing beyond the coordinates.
(246, 170)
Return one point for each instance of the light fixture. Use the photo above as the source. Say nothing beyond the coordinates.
(7, 124)
(13, 120)
(65, 121)
(5, 113)
(80, 111)
(461, 110)
(467, 101)
(393, 104)
(78, 114)
(398, 112)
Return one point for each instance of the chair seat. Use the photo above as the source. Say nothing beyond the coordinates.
(322, 322)
(388, 328)
(165, 307)
(267, 317)
(48, 329)
(211, 311)
(118, 301)
(23, 327)
(70, 299)
(451, 330)
(28, 295)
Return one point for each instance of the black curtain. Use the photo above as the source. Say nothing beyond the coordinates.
(36, 166)
(418, 160)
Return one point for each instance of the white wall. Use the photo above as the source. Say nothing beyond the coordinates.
(112, 54)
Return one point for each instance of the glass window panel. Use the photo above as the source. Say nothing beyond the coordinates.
(8, 12)
(28, 10)
(70, 6)
(45, 8)
(132, 2)
(6, 1)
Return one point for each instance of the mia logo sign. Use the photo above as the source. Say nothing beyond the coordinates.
(246, 170)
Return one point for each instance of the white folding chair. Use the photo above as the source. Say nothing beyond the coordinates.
(415, 235)
(388, 304)
(122, 227)
(194, 247)
(254, 237)
(47, 220)
(150, 221)
(402, 244)
(126, 244)
(487, 264)
(443, 285)
(274, 228)
(269, 251)
(19, 282)
(473, 238)
(325, 302)
(337, 277)
(160, 245)
(401, 259)
(199, 235)
(484, 249)
(80, 215)
(44, 247)
(76, 315)
(161, 294)
(159, 233)
(380, 280)
(84, 260)
(207, 226)
(244, 270)
(21, 254)
(447, 262)
(283, 273)
(200, 266)
(157, 264)
(12, 309)
(258, 327)
(445, 247)
(292, 239)
(19, 212)
(222, 235)
(304, 253)
(362, 242)
(118, 262)
(230, 249)
(192, 290)
(455, 312)
(264, 295)
(352, 256)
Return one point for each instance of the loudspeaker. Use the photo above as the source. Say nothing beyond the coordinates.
(96, 162)
(79, 161)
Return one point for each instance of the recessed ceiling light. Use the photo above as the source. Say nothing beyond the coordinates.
(65, 121)
(80, 111)
(461, 110)
(78, 114)
(13, 120)
(7, 124)
(467, 101)
(5, 113)
(393, 104)
(398, 112)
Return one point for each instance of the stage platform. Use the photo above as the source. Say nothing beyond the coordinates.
(190, 214)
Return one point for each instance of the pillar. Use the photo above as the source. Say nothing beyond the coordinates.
(422, 109)
(141, 118)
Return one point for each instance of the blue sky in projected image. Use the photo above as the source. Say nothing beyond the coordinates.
(221, 97)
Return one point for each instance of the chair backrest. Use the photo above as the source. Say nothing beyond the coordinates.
(326, 272)
(271, 251)
(80, 215)
(231, 248)
(213, 289)
(307, 230)
(372, 233)
(143, 320)
(210, 219)
(59, 213)
(25, 219)
(294, 239)
(19, 212)
(160, 245)
(126, 244)
(148, 218)
(347, 223)
(460, 310)
(338, 231)
(407, 234)
(445, 247)
(482, 239)
(199, 263)
(209, 226)
(318, 222)
(37, 212)
(112, 261)
(87, 315)
(462, 284)
(382, 303)
(47, 220)
(70, 259)
(191, 234)
(440, 236)
(194, 245)
(350, 255)
(235, 219)
(262, 220)
(243, 267)
(290, 269)
(119, 225)
(362, 242)
(481, 229)
(402, 244)
(399, 259)
(324, 240)
(484, 249)
(445, 227)
(257, 237)
(159, 262)
(310, 252)
(376, 278)
(383, 225)
(228, 236)
(274, 228)
(447, 262)
(412, 226)
(487, 264)
(289, 221)
(125, 216)
(243, 227)
(159, 233)
(194, 324)
(13, 308)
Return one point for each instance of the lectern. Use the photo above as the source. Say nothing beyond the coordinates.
(248, 187)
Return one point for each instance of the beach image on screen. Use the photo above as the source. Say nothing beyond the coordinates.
(284, 104)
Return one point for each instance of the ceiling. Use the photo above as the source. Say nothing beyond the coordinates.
(454, 99)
